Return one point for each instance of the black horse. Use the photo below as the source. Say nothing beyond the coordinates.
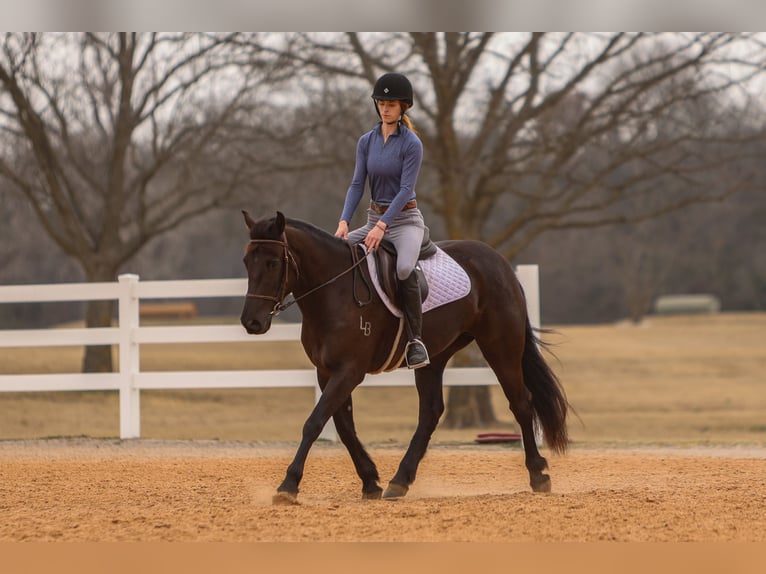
(290, 256)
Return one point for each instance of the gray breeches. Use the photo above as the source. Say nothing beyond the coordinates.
(405, 232)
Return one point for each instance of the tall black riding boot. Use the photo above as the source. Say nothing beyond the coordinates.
(409, 291)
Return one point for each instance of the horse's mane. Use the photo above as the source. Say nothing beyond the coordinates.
(267, 228)
(315, 232)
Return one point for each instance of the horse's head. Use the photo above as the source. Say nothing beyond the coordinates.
(267, 260)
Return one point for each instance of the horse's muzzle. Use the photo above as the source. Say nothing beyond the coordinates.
(255, 327)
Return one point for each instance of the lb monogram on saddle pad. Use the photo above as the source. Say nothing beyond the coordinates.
(447, 281)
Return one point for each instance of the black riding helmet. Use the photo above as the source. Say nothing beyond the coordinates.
(392, 86)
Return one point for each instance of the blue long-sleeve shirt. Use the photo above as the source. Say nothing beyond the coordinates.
(392, 168)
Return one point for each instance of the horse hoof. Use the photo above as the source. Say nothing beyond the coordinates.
(374, 495)
(395, 491)
(543, 484)
(285, 499)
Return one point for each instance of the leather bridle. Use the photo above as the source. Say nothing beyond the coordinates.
(287, 257)
(279, 306)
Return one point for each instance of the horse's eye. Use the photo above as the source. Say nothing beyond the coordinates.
(272, 264)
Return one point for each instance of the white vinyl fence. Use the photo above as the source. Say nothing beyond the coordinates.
(129, 335)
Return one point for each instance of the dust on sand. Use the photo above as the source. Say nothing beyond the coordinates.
(100, 490)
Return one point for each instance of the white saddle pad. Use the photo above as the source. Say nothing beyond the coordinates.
(447, 281)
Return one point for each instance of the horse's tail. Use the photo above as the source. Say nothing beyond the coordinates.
(549, 402)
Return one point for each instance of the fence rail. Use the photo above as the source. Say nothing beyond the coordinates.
(129, 335)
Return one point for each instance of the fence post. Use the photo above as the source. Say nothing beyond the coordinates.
(529, 277)
(130, 403)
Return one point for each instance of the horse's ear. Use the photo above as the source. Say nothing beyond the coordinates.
(279, 221)
(248, 220)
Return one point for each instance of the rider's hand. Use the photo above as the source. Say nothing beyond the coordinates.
(375, 236)
(342, 230)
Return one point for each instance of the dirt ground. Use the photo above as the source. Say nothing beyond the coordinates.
(92, 490)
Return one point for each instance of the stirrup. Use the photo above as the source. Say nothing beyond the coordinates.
(420, 355)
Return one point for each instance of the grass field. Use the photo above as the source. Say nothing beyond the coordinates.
(693, 380)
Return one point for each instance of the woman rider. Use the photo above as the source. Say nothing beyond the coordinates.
(389, 156)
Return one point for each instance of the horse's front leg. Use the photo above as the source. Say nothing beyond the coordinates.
(335, 393)
(344, 425)
(429, 384)
(365, 467)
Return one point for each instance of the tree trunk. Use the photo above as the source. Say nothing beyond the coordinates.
(469, 407)
(98, 358)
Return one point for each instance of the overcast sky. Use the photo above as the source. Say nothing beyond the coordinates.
(372, 15)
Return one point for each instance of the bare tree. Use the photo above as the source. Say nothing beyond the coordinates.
(527, 133)
(115, 139)
(118, 138)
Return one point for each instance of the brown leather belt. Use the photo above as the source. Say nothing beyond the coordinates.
(382, 208)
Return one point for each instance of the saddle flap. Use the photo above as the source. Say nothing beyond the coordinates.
(385, 260)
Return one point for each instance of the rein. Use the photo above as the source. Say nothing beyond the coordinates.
(279, 305)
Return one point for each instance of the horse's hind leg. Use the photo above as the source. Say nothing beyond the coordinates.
(429, 384)
(506, 364)
(365, 467)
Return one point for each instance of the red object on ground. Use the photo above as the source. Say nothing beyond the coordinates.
(497, 437)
